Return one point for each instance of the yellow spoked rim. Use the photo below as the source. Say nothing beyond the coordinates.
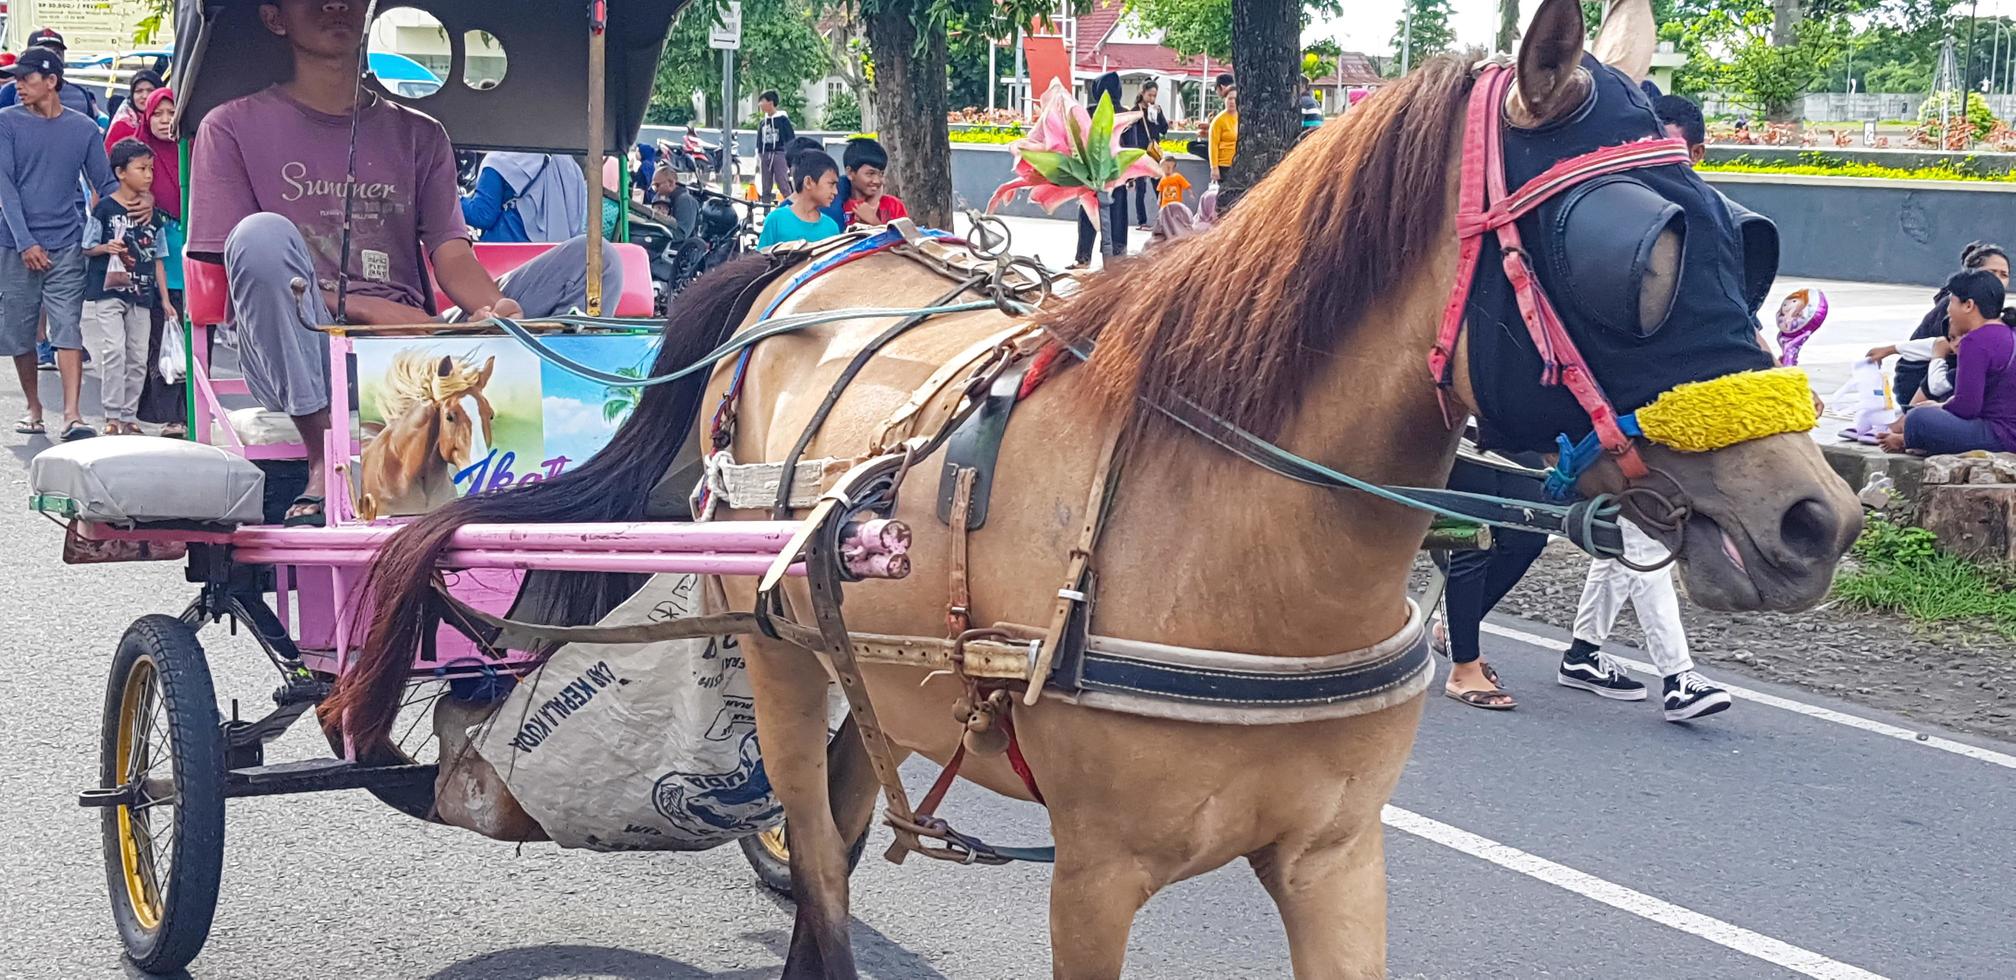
(146, 828)
(773, 843)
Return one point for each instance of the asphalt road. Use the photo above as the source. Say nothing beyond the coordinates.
(1572, 838)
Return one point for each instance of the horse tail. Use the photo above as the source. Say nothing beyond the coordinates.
(612, 486)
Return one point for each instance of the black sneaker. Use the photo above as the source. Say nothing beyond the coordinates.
(1690, 695)
(1596, 673)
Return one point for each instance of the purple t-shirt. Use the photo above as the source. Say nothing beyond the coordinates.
(267, 152)
(1984, 384)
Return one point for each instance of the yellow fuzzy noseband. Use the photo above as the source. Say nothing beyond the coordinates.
(1704, 416)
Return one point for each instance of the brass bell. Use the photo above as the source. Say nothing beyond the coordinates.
(988, 741)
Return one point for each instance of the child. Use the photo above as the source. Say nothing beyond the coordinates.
(118, 299)
(773, 137)
(1173, 184)
(815, 182)
(861, 200)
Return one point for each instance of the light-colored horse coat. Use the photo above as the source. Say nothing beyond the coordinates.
(1199, 549)
(428, 436)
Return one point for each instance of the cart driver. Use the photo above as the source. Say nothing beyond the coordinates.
(267, 186)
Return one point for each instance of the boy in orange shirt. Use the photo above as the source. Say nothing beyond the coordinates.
(1171, 187)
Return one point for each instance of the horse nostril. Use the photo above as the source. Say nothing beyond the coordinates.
(1807, 529)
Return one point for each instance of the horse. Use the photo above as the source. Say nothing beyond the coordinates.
(1296, 319)
(428, 435)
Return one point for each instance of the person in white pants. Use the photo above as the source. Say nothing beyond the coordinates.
(1609, 586)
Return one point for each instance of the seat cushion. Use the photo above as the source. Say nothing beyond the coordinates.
(135, 480)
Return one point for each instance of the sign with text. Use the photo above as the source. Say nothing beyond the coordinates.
(727, 35)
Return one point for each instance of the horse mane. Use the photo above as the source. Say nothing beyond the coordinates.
(1228, 318)
(413, 377)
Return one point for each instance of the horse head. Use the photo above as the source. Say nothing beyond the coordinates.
(1643, 309)
(452, 434)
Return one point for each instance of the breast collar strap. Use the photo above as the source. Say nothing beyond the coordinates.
(1485, 206)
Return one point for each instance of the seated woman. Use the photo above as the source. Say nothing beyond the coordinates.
(1913, 367)
(1981, 413)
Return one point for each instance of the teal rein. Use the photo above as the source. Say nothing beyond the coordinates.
(764, 330)
(1582, 523)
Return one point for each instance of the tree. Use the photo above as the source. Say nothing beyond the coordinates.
(1430, 29)
(1191, 27)
(780, 50)
(1508, 26)
(907, 45)
(1267, 57)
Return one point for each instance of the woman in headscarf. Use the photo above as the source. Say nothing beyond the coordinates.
(161, 401)
(528, 197)
(128, 122)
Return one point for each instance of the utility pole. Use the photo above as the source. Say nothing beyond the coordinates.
(1967, 77)
(1407, 38)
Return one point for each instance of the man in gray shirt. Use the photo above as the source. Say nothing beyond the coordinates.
(43, 148)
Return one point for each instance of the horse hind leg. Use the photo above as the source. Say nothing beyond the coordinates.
(1332, 900)
(790, 688)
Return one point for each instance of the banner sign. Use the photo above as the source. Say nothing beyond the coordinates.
(445, 417)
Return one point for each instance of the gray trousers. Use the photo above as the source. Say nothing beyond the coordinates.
(25, 295)
(286, 361)
(773, 173)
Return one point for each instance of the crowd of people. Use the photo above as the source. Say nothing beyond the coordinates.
(90, 238)
(1955, 377)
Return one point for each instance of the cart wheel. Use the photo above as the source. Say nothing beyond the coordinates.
(767, 851)
(164, 853)
(413, 741)
(770, 856)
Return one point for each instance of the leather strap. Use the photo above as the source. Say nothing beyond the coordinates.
(959, 609)
(1072, 592)
(1484, 205)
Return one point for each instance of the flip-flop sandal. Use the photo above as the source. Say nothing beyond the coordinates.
(78, 430)
(31, 427)
(305, 518)
(1440, 645)
(1492, 700)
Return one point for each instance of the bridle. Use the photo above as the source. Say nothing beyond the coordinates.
(1483, 206)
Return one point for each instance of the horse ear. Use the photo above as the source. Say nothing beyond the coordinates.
(483, 376)
(446, 367)
(1628, 37)
(1549, 58)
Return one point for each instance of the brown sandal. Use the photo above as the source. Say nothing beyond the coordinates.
(1484, 699)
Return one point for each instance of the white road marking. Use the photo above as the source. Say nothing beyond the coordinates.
(1974, 752)
(1753, 944)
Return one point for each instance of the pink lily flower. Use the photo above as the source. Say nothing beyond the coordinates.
(1072, 155)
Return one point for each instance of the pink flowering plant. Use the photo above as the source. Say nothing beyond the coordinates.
(1072, 155)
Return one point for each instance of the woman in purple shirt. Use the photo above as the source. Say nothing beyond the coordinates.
(1981, 414)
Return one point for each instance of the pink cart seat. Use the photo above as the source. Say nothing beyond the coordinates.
(207, 296)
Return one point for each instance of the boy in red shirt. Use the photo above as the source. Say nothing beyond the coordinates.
(861, 200)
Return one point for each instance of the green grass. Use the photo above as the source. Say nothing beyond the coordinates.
(1902, 571)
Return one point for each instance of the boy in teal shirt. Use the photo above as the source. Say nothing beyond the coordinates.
(816, 181)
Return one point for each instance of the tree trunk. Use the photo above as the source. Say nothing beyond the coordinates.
(911, 94)
(1785, 17)
(1508, 26)
(1267, 58)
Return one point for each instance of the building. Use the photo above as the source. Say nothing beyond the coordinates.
(1109, 38)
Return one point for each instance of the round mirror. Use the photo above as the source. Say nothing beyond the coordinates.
(483, 61)
(408, 51)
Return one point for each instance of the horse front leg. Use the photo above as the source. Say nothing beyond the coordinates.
(790, 688)
(1332, 900)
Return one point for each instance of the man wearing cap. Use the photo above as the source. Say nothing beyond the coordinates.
(44, 147)
(74, 96)
(269, 178)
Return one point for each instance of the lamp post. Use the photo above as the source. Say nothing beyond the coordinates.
(1407, 37)
(1967, 77)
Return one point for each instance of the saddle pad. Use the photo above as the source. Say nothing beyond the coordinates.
(136, 480)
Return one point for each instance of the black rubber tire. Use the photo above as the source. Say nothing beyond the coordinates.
(166, 648)
(767, 854)
(773, 868)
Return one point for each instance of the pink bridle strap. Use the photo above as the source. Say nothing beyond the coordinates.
(1483, 205)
